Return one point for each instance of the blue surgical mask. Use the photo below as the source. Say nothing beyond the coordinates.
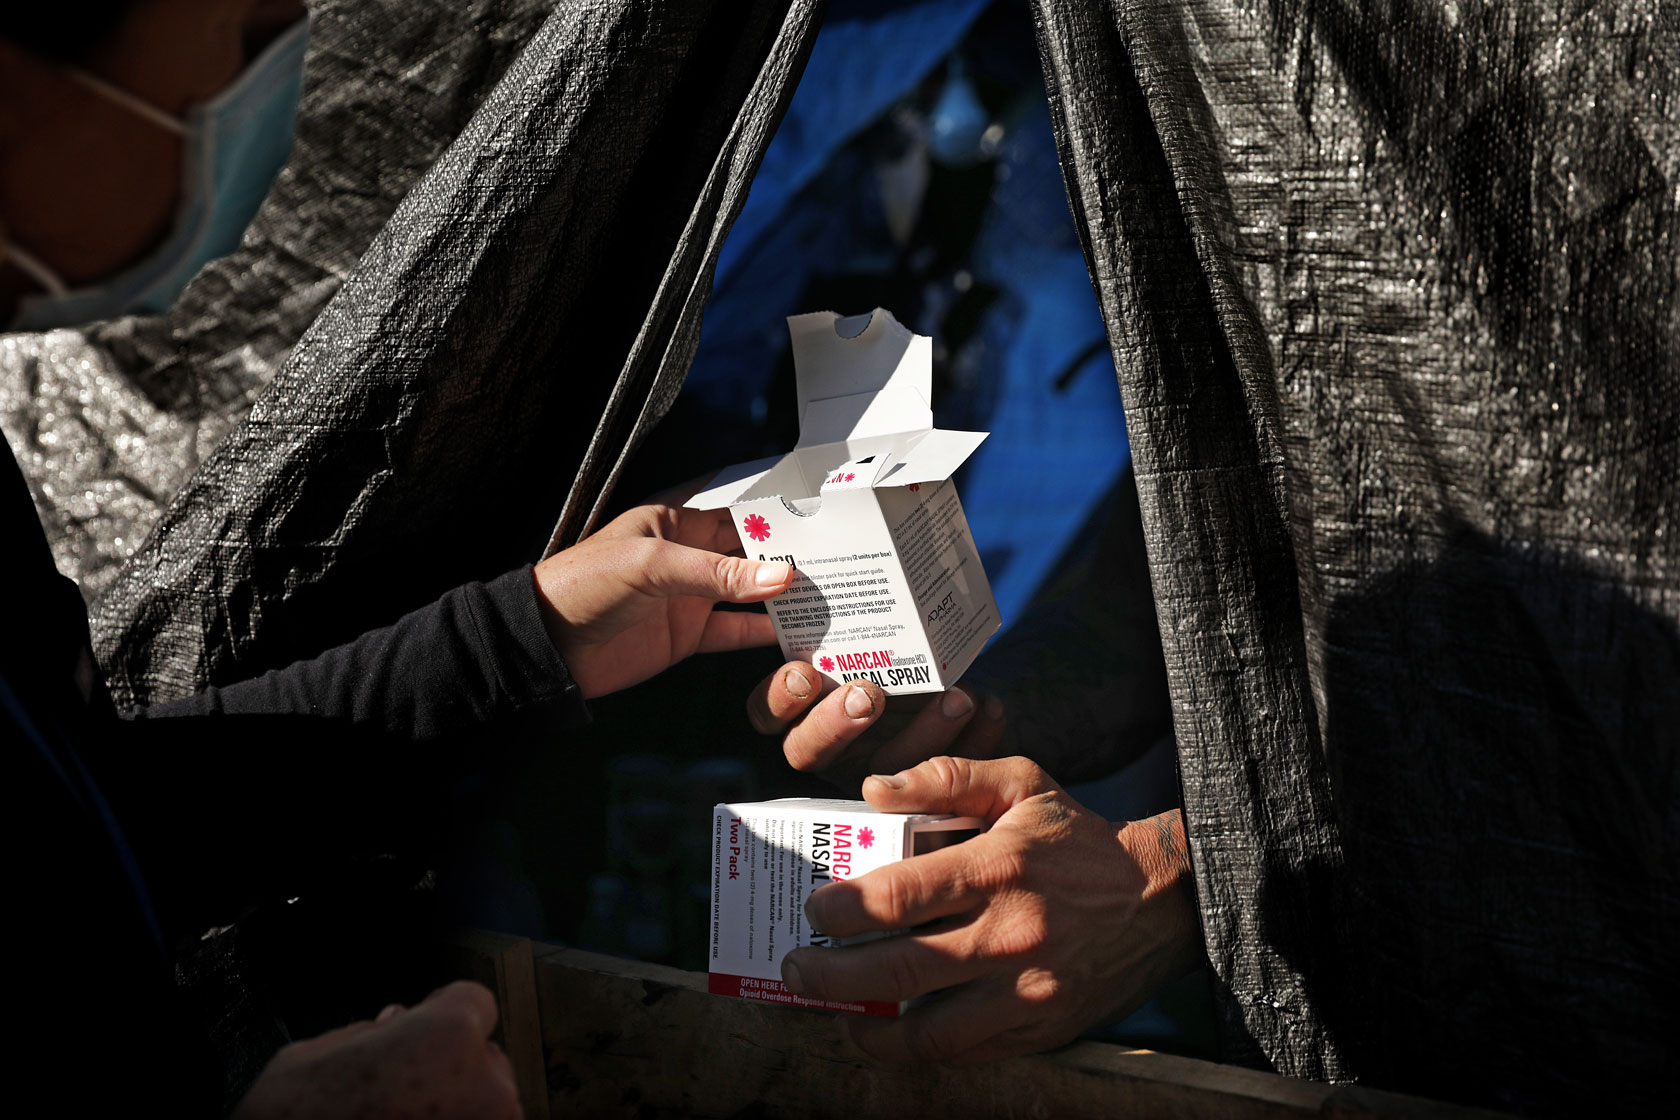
(234, 145)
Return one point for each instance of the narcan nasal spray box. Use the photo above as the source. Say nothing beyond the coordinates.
(887, 584)
(767, 858)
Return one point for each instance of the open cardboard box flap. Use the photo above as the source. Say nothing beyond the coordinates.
(865, 385)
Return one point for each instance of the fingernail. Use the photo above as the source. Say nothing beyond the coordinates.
(772, 575)
(797, 684)
(891, 781)
(810, 909)
(956, 704)
(858, 702)
(391, 1012)
(791, 978)
(994, 708)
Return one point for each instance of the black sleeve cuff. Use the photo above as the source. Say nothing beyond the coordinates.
(517, 648)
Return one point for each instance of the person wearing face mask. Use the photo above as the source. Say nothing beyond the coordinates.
(137, 147)
(231, 147)
(136, 140)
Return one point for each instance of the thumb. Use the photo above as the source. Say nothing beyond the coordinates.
(675, 569)
(964, 786)
(464, 1003)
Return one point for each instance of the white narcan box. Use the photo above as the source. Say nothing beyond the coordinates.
(767, 858)
(888, 584)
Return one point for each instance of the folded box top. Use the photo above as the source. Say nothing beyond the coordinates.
(802, 808)
(865, 388)
(860, 376)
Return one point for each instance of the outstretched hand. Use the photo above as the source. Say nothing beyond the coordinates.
(851, 731)
(1049, 923)
(638, 596)
(433, 1059)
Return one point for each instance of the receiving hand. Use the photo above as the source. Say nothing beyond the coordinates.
(1052, 921)
(637, 597)
(850, 732)
(434, 1059)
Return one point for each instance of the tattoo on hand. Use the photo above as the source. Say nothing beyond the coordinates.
(1172, 845)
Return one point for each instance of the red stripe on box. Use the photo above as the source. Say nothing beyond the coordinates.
(774, 991)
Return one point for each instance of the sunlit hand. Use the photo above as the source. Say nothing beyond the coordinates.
(434, 1059)
(638, 596)
(854, 730)
(1052, 921)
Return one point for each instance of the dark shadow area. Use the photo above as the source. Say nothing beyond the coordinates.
(613, 821)
(1081, 669)
(327, 877)
(1502, 729)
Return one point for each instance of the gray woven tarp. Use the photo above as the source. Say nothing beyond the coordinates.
(526, 314)
(1391, 289)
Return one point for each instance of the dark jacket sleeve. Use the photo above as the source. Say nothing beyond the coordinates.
(261, 785)
(477, 655)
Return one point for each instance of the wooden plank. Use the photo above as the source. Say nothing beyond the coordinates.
(504, 965)
(632, 1039)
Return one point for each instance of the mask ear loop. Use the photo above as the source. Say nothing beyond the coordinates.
(35, 268)
(28, 263)
(128, 101)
